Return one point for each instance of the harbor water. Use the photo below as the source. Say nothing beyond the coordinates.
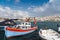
(34, 35)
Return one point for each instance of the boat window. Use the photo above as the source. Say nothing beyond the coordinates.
(26, 23)
(22, 27)
(26, 27)
(29, 24)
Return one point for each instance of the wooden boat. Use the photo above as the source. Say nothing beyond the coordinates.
(20, 29)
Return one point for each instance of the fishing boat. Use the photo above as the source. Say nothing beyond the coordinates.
(7, 22)
(49, 34)
(20, 29)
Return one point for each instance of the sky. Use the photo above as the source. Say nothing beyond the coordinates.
(29, 8)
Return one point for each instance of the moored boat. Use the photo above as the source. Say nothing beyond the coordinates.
(20, 29)
(49, 34)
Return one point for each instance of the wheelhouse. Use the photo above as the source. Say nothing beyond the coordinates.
(24, 25)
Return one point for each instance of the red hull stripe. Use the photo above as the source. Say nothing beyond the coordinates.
(20, 30)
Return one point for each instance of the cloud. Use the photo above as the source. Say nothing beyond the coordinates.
(17, 1)
(47, 9)
(50, 8)
(50, 1)
(40, 8)
(7, 12)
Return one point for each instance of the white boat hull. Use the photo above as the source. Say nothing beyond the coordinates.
(50, 35)
(58, 29)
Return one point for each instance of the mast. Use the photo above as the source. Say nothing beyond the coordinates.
(27, 19)
(35, 21)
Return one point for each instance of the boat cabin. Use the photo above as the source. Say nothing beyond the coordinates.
(24, 25)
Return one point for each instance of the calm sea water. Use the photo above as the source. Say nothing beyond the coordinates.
(34, 35)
